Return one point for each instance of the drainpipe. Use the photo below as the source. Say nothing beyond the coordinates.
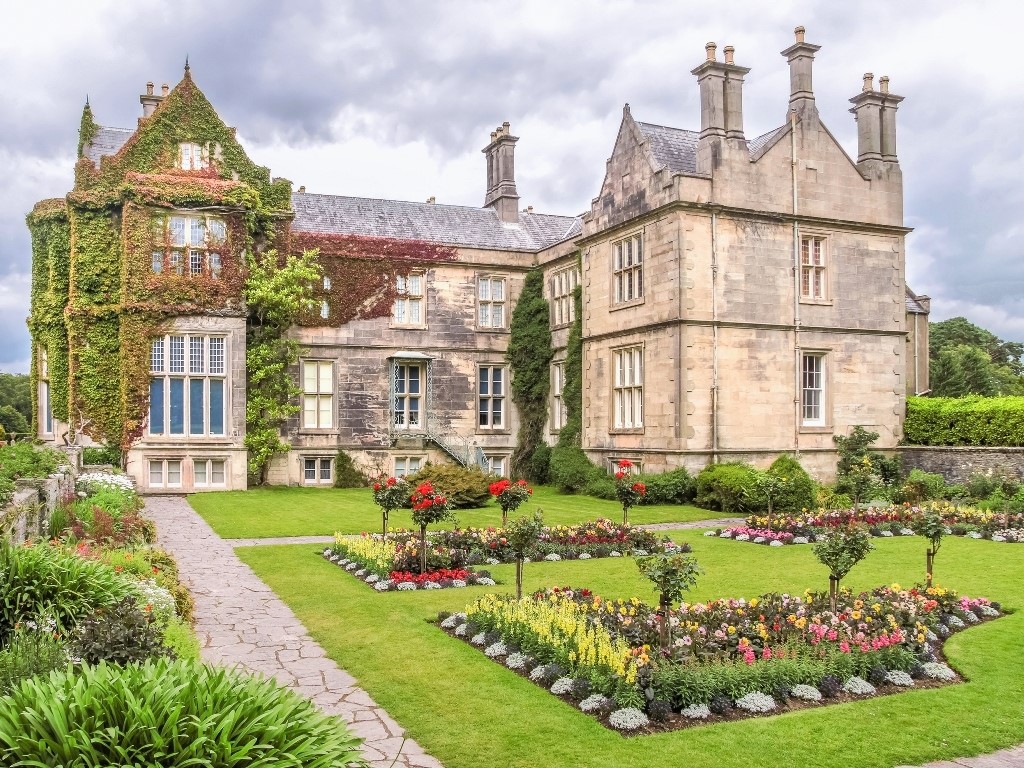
(714, 337)
(680, 275)
(917, 356)
(796, 289)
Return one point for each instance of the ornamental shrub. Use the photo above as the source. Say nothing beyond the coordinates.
(41, 580)
(571, 470)
(726, 487)
(170, 714)
(922, 486)
(104, 454)
(27, 460)
(465, 487)
(799, 490)
(120, 633)
(346, 473)
(34, 649)
(673, 487)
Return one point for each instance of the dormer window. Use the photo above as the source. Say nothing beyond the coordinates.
(192, 157)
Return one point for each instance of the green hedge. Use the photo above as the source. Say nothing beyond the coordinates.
(970, 421)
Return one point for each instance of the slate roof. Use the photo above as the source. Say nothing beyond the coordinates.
(106, 142)
(446, 224)
(914, 307)
(676, 148)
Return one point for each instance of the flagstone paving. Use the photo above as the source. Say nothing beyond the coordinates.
(241, 622)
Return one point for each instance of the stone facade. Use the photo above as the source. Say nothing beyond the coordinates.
(741, 299)
(958, 464)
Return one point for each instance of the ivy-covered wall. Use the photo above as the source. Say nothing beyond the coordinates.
(529, 355)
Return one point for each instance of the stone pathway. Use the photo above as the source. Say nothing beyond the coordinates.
(1007, 758)
(240, 621)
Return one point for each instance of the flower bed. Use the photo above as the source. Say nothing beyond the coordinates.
(725, 659)
(886, 522)
(390, 565)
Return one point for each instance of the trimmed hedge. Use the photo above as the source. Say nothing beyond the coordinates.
(967, 421)
(726, 487)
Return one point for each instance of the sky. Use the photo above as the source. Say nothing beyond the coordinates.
(396, 98)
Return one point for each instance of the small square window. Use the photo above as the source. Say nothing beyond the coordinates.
(309, 469)
(325, 470)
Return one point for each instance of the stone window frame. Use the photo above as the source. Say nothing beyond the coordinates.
(420, 396)
(208, 463)
(559, 412)
(320, 462)
(636, 461)
(418, 299)
(44, 393)
(822, 423)
(192, 157)
(407, 470)
(620, 271)
(200, 251)
(489, 457)
(170, 362)
(502, 398)
(491, 303)
(165, 463)
(823, 269)
(633, 389)
(561, 285)
(317, 394)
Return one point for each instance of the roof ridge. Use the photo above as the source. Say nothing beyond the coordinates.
(424, 203)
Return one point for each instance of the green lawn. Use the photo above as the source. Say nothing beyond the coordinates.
(280, 511)
(472, 713)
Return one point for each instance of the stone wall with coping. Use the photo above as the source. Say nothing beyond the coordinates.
(28, 514)
(957, 464)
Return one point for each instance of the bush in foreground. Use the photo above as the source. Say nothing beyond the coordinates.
(169, 714)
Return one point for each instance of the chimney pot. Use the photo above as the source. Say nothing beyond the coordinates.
(494, 135)
(869, 82)
(711, 48)
(799, 32)
(529, 209)
(883, 83)
(729, 52)
(164, 89)
(149, 88)
(302, 188)
(432, 200)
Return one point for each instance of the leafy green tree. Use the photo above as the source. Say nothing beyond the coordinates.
(277, 293)
(16, 392)
(13, 422)
(522, 535)
(967, 360)
(932, 528)
(839, 551)
(673, 575)
(959, 331)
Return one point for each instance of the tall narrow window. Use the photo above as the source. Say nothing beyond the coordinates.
(629, 388)
(317, 394)
(812, 386)
(408, 306)
(45, 406)
(491, 397)
(558, 411)
(563, 308)
(186, 385)
(491, 302)
(812, 268)
(409, 387)
(628, 269)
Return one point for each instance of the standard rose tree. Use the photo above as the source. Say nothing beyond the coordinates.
(428, 507)
(627, 491)
(389, 494)
(522, 535)
(510, 496)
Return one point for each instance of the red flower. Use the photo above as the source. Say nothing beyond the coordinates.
(376, 486)
(640, 488)
(625, 464)
(620, 475)
(392, 481)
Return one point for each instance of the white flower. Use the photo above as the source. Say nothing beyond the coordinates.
(431, 585)
(373, 578)
(594, 703)
(937, 671)
(406, 586)
(458, 583)
(553, 557)
(858, 686)
(360, 572)
(887, 534)
(486, 581)
(906, 532)
(498, 649)
(479, 639)
(800, 540)
(987, 610)
(806, 693)
(613, 553)
(971, 618)
(759, 539)
(710, 533)
(561, 686)
(955, 622)
(538, 673)
(351, 566)
(460, 631)
(584, 556)
(382, 586)
(453, 621)
(327, 552)
(741, 537)
(725, 535)
(516, 661)
(628, 719)
(696, 712)
(974, 535)
(998, 538)
(492, 561)
(776, 543)
(640, 553)
(756, 702)
(527, 560)
(901, 679)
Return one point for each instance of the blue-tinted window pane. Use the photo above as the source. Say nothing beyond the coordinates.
(177, 406)
(195, 407)
(216, 407)
(156, 406)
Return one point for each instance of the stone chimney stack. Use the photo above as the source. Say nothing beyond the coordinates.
(149, 100)
(875, 112)
(721, 108)
(501, 174)
(800, 56)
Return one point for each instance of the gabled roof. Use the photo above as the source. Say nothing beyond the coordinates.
(676, 148)
(106, 142)
(454, 225)
(914, 306)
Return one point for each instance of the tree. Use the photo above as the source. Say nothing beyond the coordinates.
(842, 549)
(967, 360)
(673, 576)
(13, 422)
(522, 534)
(389, 493)
(932, 528)
(629, 492)
(16, 392)
(277, 292)
(959, 331)
(428, 507)
(510, 496)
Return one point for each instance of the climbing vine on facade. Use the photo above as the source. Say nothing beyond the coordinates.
(529, 356)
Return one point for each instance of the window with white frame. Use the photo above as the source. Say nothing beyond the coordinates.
(192, 157)
(187, 385)
(317, 470)
(559, 414)
(325, 310)
(628, 387)
(193, 244)
(45, 406)
(491, 298)
(628, 269)
(317, 394)
(407, 465)
(409, 385)
(165, 473)
(408, 306)
(812, 389)
(813, 255)
(496, 464)
(491, 397)
(208, 472)
(635, 468)
(562, 284)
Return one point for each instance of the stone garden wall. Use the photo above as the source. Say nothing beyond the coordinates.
(957, 464)
(27, 516)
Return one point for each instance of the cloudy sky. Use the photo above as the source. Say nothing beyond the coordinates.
(390, 98)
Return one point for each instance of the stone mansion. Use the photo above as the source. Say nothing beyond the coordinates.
(741, 297)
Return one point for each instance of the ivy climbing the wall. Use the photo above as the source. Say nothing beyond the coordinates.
(572, 390)
(529, 356)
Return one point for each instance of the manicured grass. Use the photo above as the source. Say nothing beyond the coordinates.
(279, 511)
(472, 713)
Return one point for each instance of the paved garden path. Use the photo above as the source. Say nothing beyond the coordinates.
(1007, 758)
(240, 621)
